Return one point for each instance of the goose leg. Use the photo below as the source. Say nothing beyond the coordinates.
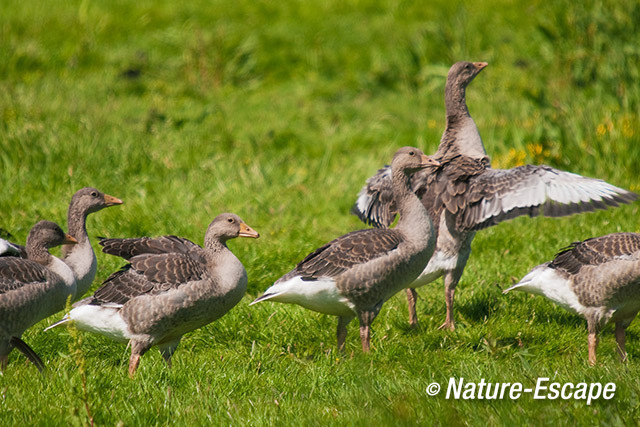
(4, 361)
(620, 339)
(138, 348)
(412, 296)
(134, 361)
(167, 351)
(366, 318)
(593, 341)
(451, 279)
(342, 330)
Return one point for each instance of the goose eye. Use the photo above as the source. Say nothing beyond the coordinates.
(94, 194)
(230, 220)
(412, 153)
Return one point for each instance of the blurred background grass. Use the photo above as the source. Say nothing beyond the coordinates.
(279, 111)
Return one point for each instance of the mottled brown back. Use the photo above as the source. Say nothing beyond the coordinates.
(595, 251)
(344, 252)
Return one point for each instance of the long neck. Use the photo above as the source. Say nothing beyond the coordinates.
(455, 102)
(77, 223)
(461, 135)
(224, 267)
(414, 220)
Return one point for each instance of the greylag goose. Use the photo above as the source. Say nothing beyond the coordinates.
(598, 278)
(80, 258)
(355, 274)
(171, 286)
(466, 195)
(32, 289)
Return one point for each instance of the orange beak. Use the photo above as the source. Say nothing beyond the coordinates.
(480, 65)
(69, 240)
(112, 200)
(429, 161)
(246, 231)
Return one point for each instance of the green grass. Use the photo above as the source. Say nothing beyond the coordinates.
(278, 111)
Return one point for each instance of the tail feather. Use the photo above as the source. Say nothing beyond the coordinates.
(24, 348)
(65, 319)
(265, 297)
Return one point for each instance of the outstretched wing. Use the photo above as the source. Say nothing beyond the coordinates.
(375, 204)
(128, 248)
(18, 272)
(497, 195)
(344, 252)
(148, 274)
(597, 250)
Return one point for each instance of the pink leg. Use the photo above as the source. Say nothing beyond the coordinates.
(366, 318)
(134, 361)
(412, 296)
(620, 339)
(342, 331)
(451, 279)
(365, 337)
(593, 344)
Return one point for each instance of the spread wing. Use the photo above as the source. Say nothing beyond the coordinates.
(127, 248)
(344, 252)
(148, 274)
(375, 204)
(448, 187)
(18, 272)
(597, 250)
(480, 196)
(497, 195)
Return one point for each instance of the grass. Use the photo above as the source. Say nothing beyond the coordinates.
(279, 111)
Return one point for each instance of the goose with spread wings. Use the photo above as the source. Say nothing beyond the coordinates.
(466, 195)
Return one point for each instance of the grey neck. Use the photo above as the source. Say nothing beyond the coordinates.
(215, 244)
(455, 103)
(461, 135)
(414, 221)
(37, 252)
(77, 223)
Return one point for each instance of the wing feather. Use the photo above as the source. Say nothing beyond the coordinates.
(339, 255)
(596, 251)
(128, 248)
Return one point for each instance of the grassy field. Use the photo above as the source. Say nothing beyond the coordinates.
(279, 111)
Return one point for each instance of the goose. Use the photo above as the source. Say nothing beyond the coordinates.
(170, 286)
(32, 289)
(466, 195)
(81, 258)
(353, 275)
(598, 278)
